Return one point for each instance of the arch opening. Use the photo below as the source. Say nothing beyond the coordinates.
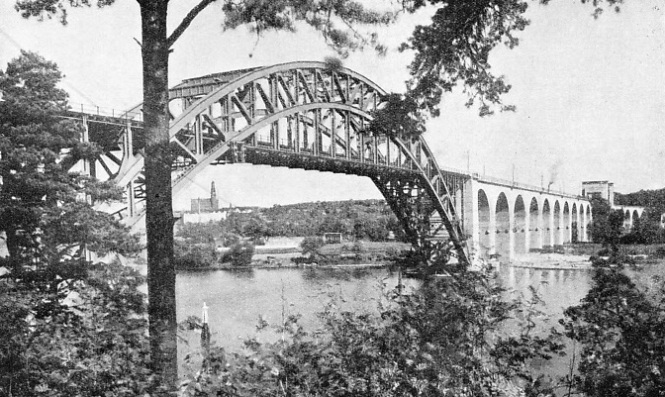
(520, 229)
(566, 223)
(503, 228)
(636, 219)
(535, 226)
(626, 221)
(548, 233)
(484, 223)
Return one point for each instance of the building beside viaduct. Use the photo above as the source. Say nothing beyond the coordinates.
(605, 190)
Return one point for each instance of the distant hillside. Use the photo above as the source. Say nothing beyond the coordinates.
(644, 198)
(371, 219)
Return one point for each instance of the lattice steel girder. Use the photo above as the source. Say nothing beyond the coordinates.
(323, 114)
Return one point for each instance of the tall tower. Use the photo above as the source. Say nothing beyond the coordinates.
(214, 203)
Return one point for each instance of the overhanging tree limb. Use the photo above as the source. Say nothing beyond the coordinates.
(187, 20)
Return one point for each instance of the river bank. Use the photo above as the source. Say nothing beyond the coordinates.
(551, 261)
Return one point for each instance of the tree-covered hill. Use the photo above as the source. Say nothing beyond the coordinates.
(366, 219)
(645, 198)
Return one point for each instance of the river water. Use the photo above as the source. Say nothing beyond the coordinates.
(237, 299)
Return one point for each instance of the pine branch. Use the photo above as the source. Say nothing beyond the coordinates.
(184, 24)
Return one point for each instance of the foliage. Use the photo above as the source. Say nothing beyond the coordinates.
(654, 199)
(44, 210)
(607, 224)
(251, 224)
(441, 340)
(427, 260)
(74, 329)
(194, 256)
(311, 246)
(200, 232)
(363, 219)
(646, 229)
(398, 117)
(240, 254)
(326, 17)
(622, 333)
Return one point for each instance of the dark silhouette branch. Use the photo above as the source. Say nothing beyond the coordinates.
(184, 24)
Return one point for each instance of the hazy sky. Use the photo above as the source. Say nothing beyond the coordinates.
(590, 94)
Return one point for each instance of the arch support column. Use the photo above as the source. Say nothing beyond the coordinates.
(527, 226)
(492, 228)
(511, 230)
(472, 225)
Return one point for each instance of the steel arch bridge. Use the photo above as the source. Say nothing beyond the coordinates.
(298, 115)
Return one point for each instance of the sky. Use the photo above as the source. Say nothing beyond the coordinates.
(590, 93)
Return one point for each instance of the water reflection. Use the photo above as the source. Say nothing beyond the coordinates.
(559, 288)
(237, 299)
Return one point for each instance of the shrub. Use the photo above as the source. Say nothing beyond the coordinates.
(229, 239)
(74, 330)
(660, 252)
(240, 254)
(622, 336)
(310, 246)
(193, 256)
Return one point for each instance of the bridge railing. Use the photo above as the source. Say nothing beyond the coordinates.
(105, 112)
(524, 186)
(506, 182)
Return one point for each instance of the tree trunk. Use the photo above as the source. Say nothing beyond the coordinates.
(159, 212)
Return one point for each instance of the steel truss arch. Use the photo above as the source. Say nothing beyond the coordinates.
(304, 115)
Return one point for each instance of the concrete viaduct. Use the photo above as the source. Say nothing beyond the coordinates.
(507, 218)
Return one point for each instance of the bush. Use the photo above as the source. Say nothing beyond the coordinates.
(193, 256)
(90, 340)
(240, 254)
(358, 247)
(229, 239)
(621, 330)
(660, 252)
(310, 246)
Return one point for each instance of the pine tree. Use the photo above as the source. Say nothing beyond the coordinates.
(45, 211)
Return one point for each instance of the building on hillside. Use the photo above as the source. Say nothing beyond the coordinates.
(601, 189)
(206, 205)
(332, 238)
(605, 190)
